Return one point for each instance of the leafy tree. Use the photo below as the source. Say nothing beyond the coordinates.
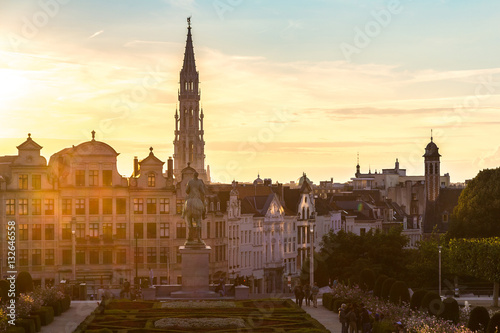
(377, 290)
(478, 210)
(479, 258)
(479, 319)
(24, 283)
(399, 293)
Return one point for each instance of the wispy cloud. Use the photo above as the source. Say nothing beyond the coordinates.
(96, 34)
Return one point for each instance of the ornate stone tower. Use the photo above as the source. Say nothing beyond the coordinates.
(189, 146)
(432, 171)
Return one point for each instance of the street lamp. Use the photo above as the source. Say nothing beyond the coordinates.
(311, 262)
(439, 248)
(73, 245)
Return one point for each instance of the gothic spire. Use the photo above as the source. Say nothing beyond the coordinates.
(189, 65)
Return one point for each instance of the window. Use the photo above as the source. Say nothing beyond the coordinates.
(164, 206)
(23, 207)
(139, 255)
(151, 255)
(107, 230)
(93, 177)
(10, 207)
(181, 230)
(66, 207)
(23, 257)
(80, 177)
(151, 206)
(93, 206)
(151, 230)
(121, 206)
(49, 257)
(49, 206)
(36, 207)
(107, 257)
(36, 257)
(164, 255)
(49, 232)
(138, 205)
(138, 231)
(80, 257)
(80, 230)
(22, 232)
(107, 177)
(94, 257)
(36, 182)
(107, 206)
(36, 232)
(121, 230)
(66, 257)
(121, 256)
(151, 180)
(94, 229)
(23, 182)
(80, 206)
(66, 231)
(178, 206)
(164, 230)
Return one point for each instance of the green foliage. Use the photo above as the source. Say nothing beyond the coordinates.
(57, 308)
(377, 289)
(37, 321)
(27, 324)
(101, 330)
(432, 303)
(46, 314)
(494, 324)
(367, 279)
(328, 301)
(345, 255)
(14, 329)
(416, 299)
(479, 319)
(386, 288)
(451, 310)
(383, 327)
(399, 293)
(478, 208)
(24, 283)
(4, 287)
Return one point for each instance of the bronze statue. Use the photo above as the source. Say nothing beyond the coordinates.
(194, 208)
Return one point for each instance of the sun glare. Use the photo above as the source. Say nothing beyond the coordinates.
(12, 85)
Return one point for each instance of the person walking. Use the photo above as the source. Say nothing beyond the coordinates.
(299, 295)
(353, 319)
(314, 293)
(307, 294)
(343, 318)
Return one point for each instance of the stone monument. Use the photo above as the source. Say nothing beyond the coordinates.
(194, 252)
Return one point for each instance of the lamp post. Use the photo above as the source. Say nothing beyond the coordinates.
(439, 248)
(311, 261)
(73, 246)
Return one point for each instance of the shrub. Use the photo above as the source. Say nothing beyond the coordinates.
(24, 283)
(14, 329)
(66, 303)
(416, 299)
(494, 324)
(377, 289)
(399, 293)
(451, 310)
(328, 301)
(37, 321)
(57, 308)
(479, 319)
(4, 287)
(386, 288)
(27, 324)
(367, 279)
(432, 303)
(383, 327)
(46, 314)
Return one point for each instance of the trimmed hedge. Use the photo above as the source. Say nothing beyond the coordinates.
(383, 326)
(27, 324)
(38, 322)
(416, 299)
(386, 288)
(432, 303)
(24, 283)
(377, 289)
(65, 303)
(4, 287)
(57, 308)
(494, 323)
(451, 310)
(46, 314)
(328, 301)
(14, 329)
(367, 279)
(399, 293)
(479, 318)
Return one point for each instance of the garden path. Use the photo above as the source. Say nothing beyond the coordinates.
(69, 320)
(326, 317)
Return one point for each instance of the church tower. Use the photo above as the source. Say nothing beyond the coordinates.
(189, 146)
(432, 171)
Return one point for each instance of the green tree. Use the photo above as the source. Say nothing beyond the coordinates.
(478, 210)
(478, 258)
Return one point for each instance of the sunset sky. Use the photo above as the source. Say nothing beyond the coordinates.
(287, 86)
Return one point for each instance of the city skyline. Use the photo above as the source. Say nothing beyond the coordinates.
(285, 89)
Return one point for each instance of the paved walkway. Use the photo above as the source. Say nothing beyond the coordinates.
(69, 320)
(327, 318)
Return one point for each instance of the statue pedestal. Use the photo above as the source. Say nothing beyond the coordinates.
(194, 272)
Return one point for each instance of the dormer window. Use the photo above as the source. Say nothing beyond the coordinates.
(151, 180)
(445, 217)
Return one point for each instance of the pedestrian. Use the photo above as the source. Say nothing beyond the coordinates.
(366, 320)
(314, 293)
(307, 294)
(353, 319)
(343, 318)
(299, 295)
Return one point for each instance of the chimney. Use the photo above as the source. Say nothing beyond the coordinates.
(170, 168)
(136, 166)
